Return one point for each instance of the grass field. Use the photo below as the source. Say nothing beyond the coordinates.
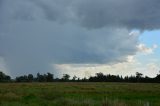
(79, 94)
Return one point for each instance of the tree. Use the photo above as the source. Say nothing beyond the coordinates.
(41, 78)
(65, 77)
(38, 77)
(4, 77)
(30, 77)
(100, 77)
(7, 78)
(157, 78)
(138, 75)
(22, 78)
(49, 77)
(100, 74)
(74, 78)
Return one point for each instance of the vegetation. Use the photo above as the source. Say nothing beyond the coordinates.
(98, 90)
(99, 77)
(4, 77)
(79, 94)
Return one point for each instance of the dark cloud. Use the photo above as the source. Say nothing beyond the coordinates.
(138, 14)
(35, 34)
(29, 46)
(133, 14)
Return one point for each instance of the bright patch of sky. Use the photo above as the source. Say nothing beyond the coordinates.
(150, 39)
(150, 63)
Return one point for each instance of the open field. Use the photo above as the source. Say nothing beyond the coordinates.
(79, 94)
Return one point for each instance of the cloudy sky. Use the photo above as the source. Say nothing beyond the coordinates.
(80, 37)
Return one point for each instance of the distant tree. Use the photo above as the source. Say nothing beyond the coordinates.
(100, 74)
(22, 78)
(30, 77)
(38, 77)
(4, 77)
(49, 77)
(74, 78)
(41, 78)
(133, 79)
(157, 78)
(126, 78)
(7, 78)
(78, 79)
(138, 75)
(66, 77)
(84, 79)
(100, 77)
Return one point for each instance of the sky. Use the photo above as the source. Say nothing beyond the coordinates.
(80, 37)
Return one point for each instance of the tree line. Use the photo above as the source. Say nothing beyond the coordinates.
(99, 77)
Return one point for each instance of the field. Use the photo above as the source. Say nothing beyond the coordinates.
(79, 94)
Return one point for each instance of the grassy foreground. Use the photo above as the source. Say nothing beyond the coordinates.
(79, 94)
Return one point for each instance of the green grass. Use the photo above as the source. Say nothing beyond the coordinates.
(79, 94)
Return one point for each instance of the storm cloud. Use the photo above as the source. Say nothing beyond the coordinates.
(35, 34)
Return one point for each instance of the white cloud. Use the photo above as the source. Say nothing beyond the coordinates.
(146, 50)
(125, 68)
(155, 46)
(86, 70)
(130, 59)
(134, 33)
(152, 69)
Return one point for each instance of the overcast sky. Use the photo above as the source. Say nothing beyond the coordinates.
(79, 37)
